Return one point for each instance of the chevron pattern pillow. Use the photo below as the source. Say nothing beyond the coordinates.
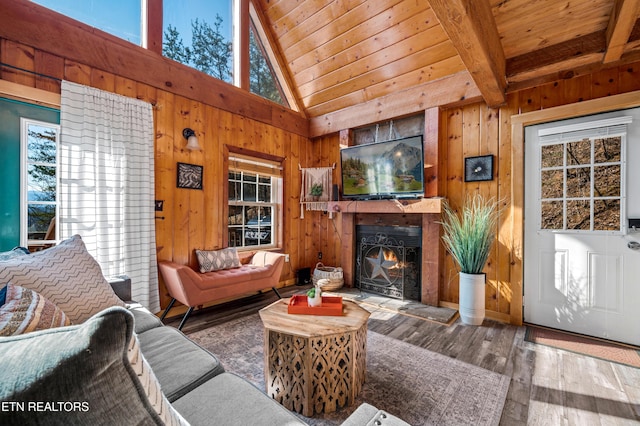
(67, 275)
(214, 260)
(25, 311)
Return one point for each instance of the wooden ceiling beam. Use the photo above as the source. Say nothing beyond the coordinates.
(562, 56)
(471, 27)
(621, 23)
(456, 89)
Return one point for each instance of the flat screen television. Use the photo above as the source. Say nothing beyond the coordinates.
(391, 169)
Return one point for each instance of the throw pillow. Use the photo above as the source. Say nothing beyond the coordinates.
(67, 275)
(26, 311)
(16, 252)
(87, 374)
(214, 260)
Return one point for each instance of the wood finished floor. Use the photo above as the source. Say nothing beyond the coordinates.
(548, 386)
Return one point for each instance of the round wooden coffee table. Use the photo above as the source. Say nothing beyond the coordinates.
(313, 363)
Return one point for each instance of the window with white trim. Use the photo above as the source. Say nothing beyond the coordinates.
(255, 201)
(39, 143)
(582, 177)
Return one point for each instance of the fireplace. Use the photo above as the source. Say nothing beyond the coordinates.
(423, 213)
(388, 260)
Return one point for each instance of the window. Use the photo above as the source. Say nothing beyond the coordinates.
(255, 199)
(198, 34)
(39, 183)
(262, 80)
(581, 179)
(121, 18)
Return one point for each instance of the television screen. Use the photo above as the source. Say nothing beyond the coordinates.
(392, 169)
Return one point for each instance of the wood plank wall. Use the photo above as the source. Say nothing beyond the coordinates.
(478, 130)
(192, 219)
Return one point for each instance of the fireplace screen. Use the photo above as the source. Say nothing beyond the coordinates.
(388, 261)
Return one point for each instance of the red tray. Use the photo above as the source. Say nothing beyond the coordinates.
(331, 306)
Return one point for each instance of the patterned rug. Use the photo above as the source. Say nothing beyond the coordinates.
(596, 348)
(417, 385)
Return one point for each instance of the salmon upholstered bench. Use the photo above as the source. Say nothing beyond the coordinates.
(193, 288)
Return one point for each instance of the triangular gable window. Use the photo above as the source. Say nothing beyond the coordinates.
(262, 79)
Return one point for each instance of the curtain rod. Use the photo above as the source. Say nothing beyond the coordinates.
(29, 71)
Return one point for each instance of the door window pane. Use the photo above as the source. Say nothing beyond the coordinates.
(606, 215)
(606, 181)
(608, 150)
(581, 184)
(552, 183)
(551, 216)
(552, 156)
(579, 214)
(578, 182)
(579, 152)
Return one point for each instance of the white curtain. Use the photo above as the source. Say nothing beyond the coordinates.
(107, 184)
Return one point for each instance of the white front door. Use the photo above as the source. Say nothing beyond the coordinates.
(581, 186)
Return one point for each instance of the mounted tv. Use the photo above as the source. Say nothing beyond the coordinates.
(391, 169)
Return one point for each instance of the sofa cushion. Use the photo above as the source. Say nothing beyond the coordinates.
(144, 319)
(25, 311)
(89, 374)
(67, 275)
(180, 364)
(238, 402)
(215, 260)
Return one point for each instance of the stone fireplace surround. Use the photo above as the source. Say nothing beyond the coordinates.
(424, 212)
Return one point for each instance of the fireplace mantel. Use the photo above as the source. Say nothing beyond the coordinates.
(429, 210)
(404, 206)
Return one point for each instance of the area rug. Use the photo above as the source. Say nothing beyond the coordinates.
(419, 386)
(584, 345)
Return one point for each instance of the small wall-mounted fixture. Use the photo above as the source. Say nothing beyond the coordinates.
(634, 225)
(192, 139)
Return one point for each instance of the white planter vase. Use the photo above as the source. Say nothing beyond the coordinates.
(471, 305)
(316, 300)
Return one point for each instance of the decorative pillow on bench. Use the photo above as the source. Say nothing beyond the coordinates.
(215, 260)
(67, 275)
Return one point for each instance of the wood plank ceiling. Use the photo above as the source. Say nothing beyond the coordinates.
(342, 53)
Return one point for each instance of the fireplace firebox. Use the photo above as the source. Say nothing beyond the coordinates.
(388, 260)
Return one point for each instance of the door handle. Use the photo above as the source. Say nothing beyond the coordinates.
(634, 245)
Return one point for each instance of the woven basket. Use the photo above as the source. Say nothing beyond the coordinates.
(333, 275)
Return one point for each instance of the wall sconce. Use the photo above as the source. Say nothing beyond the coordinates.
(192, 140)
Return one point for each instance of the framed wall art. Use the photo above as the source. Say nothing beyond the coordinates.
(478, 168)
(189, 176)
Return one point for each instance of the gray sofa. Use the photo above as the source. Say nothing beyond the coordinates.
(120, 365)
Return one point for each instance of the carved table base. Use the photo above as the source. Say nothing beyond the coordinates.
(317, 365)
